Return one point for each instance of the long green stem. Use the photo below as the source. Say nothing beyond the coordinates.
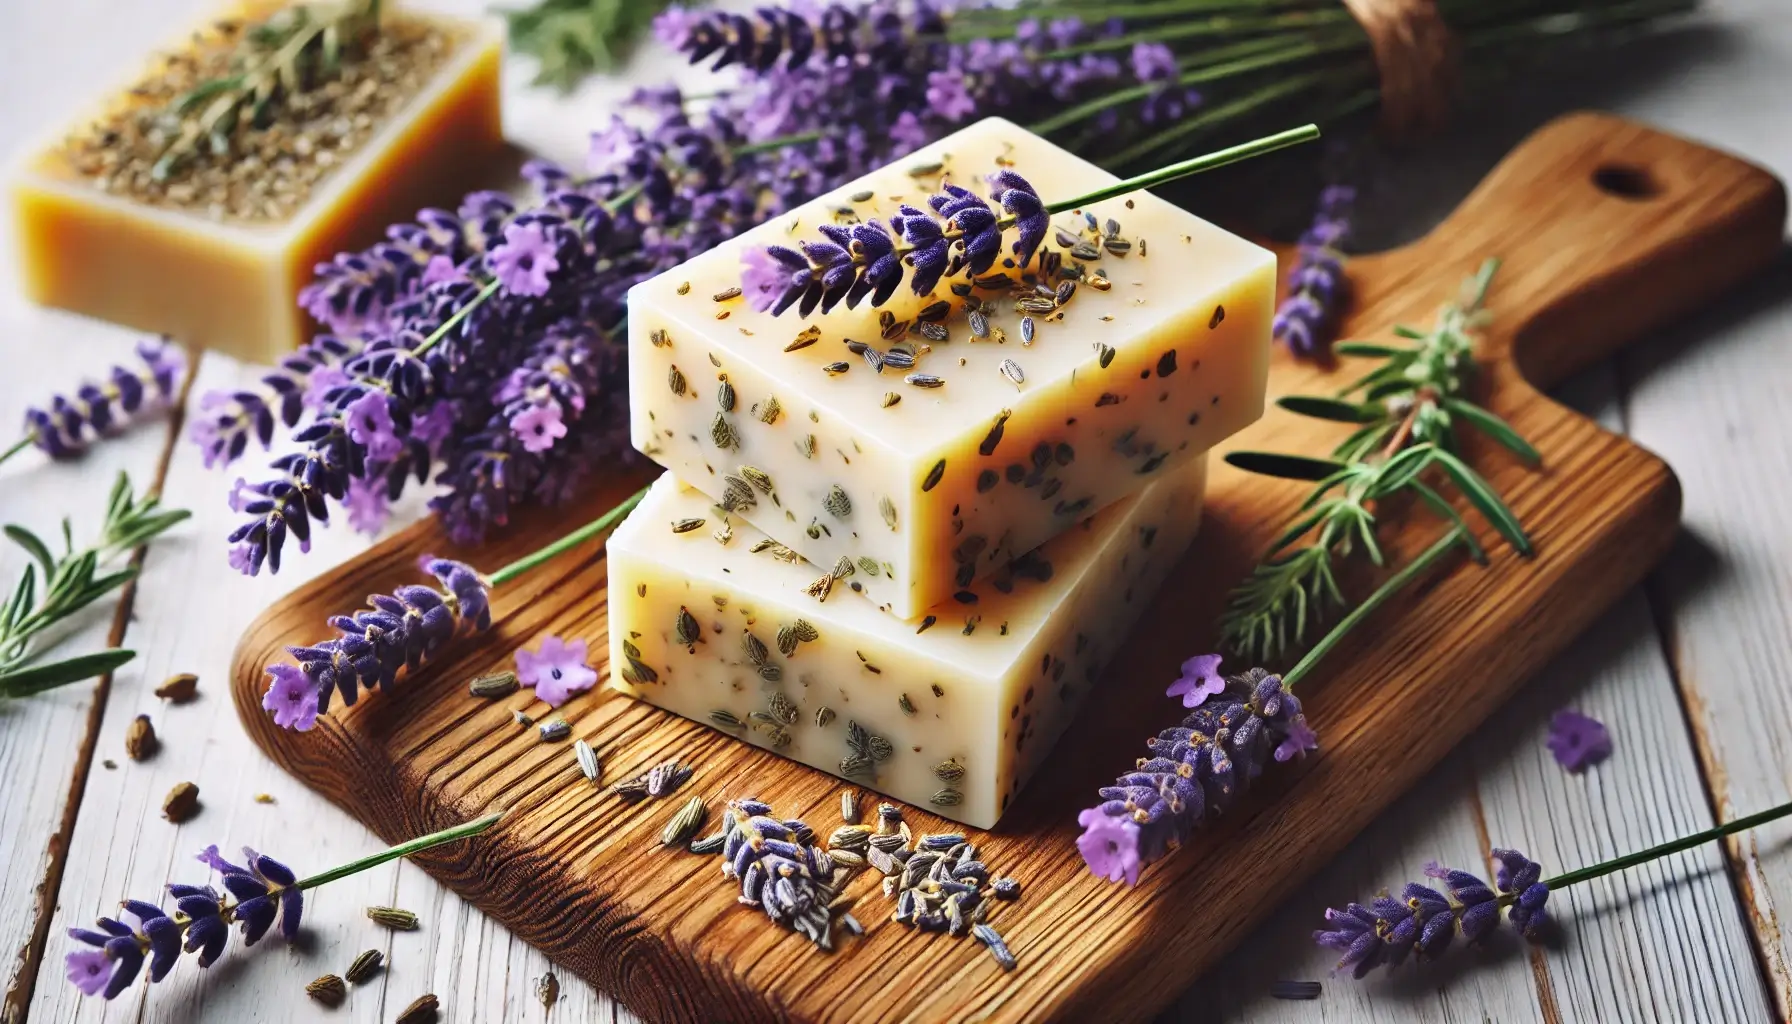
(1394, 584)
(417, 845)
(571, 540)
(1673, 846)
(766, 145)
(490, 289)
(18, 446)
(1193, 165)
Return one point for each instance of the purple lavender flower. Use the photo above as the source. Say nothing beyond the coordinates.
(366, 505)
(779, 873)
(69, 425)
(525, 262)
(1200, 680)
(1578, 741)
(1199, 766)
(1317, 284)
(1425, 921)
(556, 670)
(259, 893)
(398, 631)
(962, 234)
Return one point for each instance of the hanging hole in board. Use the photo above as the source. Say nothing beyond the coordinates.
(1632, 183)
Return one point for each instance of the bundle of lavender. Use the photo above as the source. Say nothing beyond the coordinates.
(1132, 85)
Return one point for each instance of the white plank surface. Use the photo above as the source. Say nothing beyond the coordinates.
(1669, 942)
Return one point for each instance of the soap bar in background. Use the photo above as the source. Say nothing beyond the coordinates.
(951, 712)
(1137, 371)
(216, 256)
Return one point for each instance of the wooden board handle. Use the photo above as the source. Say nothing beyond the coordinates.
(1605, 229)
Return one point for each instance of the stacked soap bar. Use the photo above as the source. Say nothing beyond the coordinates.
(933, 440)
(952, 711)
(216, 254)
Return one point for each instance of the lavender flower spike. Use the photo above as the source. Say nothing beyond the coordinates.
(401, 630)
(962, 234)
(257, 895)
(69, 425)
(1425, 921)
(1317, 285)
(1238, 723)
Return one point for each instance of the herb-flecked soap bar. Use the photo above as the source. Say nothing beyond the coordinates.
(939, 436)
(167, 210)
(952, 711)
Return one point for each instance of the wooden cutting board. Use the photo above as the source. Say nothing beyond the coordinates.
(1607, 229)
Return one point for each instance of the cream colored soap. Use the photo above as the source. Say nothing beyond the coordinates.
(969, 699)
(937, 489)
(207, 279)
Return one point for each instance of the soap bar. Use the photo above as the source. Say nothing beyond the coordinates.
(1159, 353)
(953, 711)
(217, 254)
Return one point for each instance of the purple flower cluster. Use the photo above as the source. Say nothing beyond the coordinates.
(779, 872)
(258, 894)
(397, 631)
(880, 78)
(1317, 286)
(69, 425)
(1578, 741)
(962, 234)
(1425, 921)
(1237, 725)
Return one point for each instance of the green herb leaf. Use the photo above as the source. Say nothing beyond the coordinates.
(1448, 511)
(1488, 503)
(1408, 332)
(34, 547)
(1333, 409)
(1288, 467)
(1494, 427)
(1370, 348)
(22, 682)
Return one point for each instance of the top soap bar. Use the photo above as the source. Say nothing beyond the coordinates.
(928, 446)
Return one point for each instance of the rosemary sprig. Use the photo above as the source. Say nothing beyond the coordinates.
(575, 38)
(287, 54)
(1406, 410)
(70, 583)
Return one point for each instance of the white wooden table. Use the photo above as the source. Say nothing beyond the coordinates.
(1690, 672)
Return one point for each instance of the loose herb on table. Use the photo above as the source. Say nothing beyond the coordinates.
(55, 587)
(1406, 411)
(572, 39)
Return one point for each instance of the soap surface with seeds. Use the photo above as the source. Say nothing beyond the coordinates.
(951, 712)
(1005, 428)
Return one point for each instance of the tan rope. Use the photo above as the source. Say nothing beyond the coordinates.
(1416, 56)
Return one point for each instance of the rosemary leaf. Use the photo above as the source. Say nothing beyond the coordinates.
(1334, 409)
(1288, 467)
(1495, 428)
(573, 39)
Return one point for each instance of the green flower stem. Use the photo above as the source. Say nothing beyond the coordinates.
(767, 145)
(1264, 31)
(1673, 846)
(1191, 166)
(1219, 115)
(417, 845)
(571, 540)
(490, 289)
(18, 446)
(1394, 583)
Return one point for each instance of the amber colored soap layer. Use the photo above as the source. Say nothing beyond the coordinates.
(989, 687)
(235, 287)
(948, 483)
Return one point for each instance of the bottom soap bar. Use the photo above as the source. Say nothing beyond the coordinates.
(710, 620)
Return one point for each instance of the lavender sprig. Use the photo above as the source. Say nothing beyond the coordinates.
(402, 631)
(961, 234)
(1198, 768)
(98, 409)
(1317, 286)
(254, 896)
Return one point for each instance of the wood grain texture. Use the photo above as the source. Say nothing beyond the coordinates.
(1586, 271)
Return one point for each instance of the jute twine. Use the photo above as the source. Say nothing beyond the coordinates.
(1416, 57)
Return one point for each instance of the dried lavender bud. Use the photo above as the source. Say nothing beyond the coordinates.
(501, 684)
(69, 425)
(182, 803)
(684, 824)
(328, 990)
(424, 1009)
(364, 967)
(663, 779)
(394, 918)
(140, 741)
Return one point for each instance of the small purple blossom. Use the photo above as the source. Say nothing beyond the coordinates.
(291, 697)
(366, 505)
(538, 426)
(1317, 284)
(763, 278)
(1197, 767)
(525, 262)
(1300, 740)
(90, 970)
(1153, 62)
(949, 96)
(1200, 680)
(369, 421)
(1425, 921)
(556, 669)
(1578, 741)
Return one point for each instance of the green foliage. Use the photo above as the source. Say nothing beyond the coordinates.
(53, 588)
(576, 38)
(1408, 409)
